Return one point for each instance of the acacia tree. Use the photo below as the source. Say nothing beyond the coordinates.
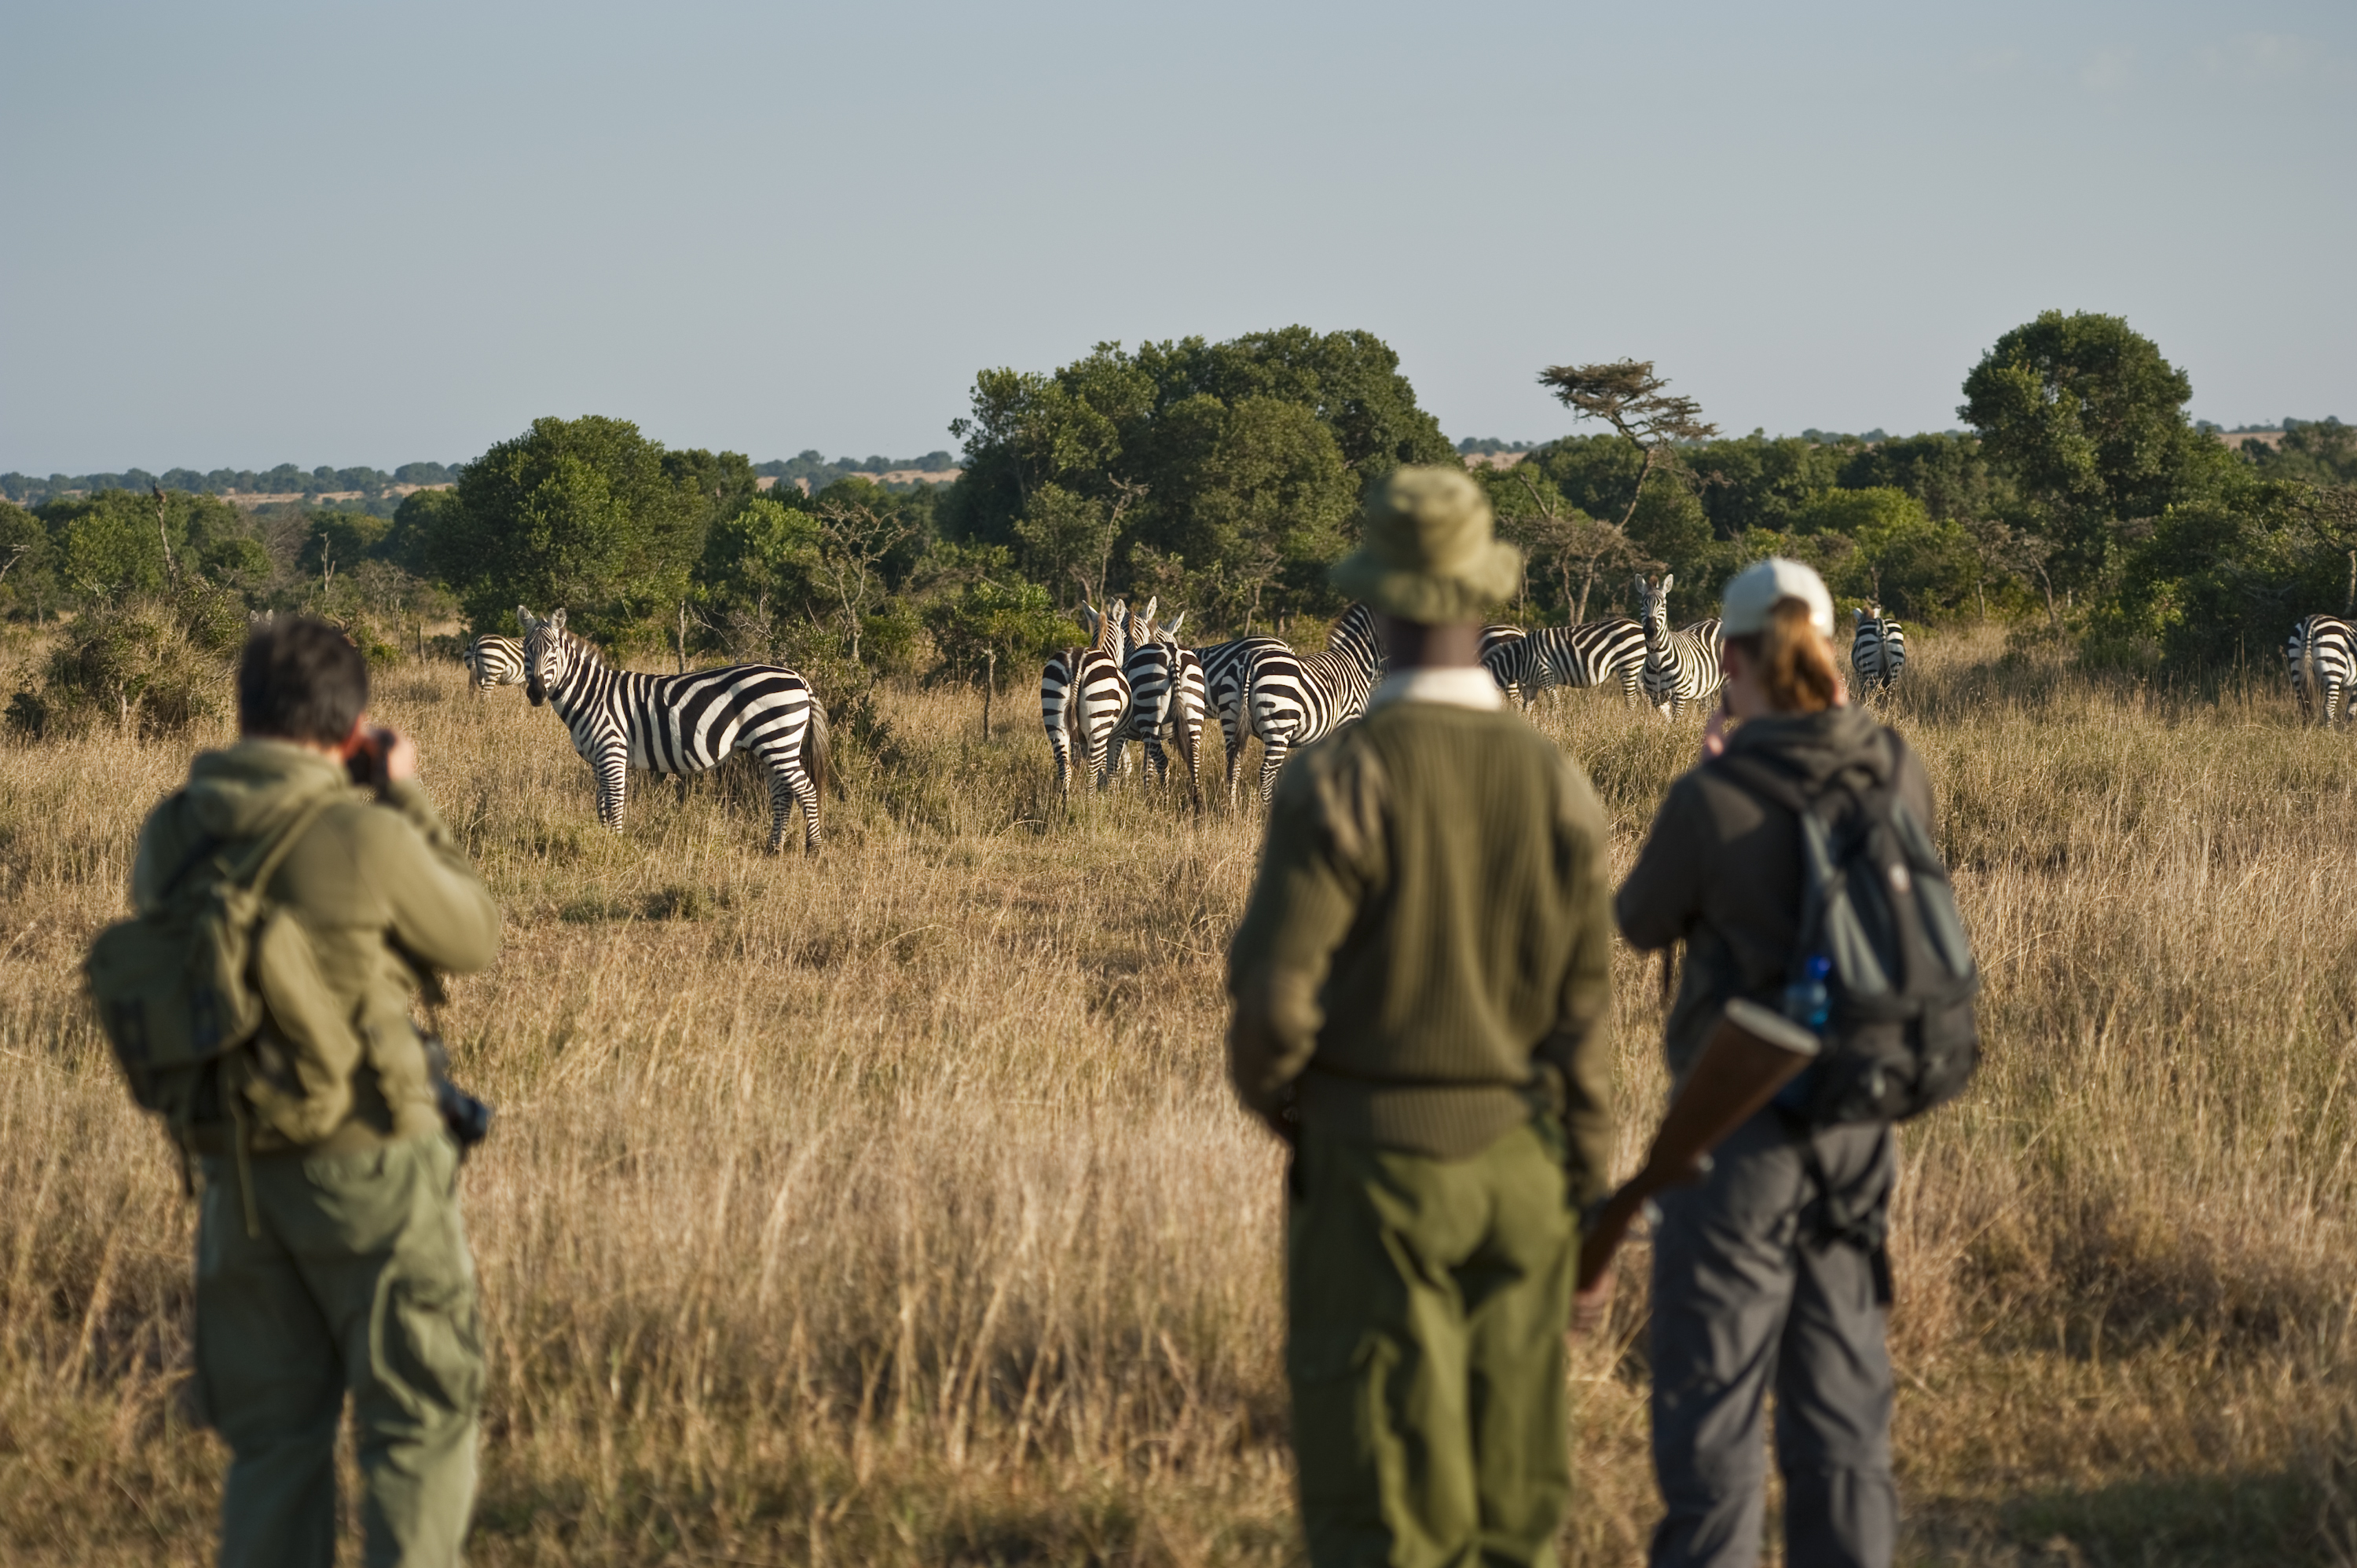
(854, 540)
(1626, 396)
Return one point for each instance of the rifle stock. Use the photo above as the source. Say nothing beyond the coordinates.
(1739, 1070)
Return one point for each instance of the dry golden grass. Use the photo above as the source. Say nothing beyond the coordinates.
(891, 1208)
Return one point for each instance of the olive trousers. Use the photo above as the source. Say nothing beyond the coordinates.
(354, 1276)
(1426, 1303)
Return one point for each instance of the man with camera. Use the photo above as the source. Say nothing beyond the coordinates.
(331, 1257)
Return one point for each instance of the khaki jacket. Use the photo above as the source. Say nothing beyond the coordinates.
(377, 884)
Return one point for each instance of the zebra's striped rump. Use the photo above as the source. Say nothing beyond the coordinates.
(1226, 669)
(2321, 654)
(1878, 649)
(1293, 699)
(494, 661)
(1166, 699)
(1083, 695)
(620, 719)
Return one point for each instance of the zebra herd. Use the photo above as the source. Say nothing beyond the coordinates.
(1135, 681)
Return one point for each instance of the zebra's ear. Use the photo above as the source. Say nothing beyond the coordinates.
(1171, 631)
(556, 619)
(1151, 605)
(1667, 578)
(523, 620)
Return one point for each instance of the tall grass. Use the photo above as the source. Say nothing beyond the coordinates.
(892, 1207)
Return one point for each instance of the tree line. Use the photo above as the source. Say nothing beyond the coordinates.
(2079, 503)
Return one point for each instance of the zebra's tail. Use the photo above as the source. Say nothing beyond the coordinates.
(2303, 674)
(817, 757)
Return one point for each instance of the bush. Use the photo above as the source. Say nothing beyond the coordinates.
(153, 665)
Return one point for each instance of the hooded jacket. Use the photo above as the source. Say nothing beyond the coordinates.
(376, 884)
(1721, 869)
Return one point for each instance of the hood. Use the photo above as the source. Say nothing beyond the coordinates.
(1815, 746)
(244, 790)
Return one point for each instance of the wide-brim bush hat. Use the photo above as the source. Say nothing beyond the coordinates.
(1429, 551)
(1761, 587)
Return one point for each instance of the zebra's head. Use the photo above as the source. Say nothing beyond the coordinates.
(1141, 623)
(547, 653)
(1656, 598)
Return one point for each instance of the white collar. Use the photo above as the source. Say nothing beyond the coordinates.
(1457, 686)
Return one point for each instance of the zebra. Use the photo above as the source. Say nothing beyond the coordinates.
(1592, 653)
(1226, 667)
(1507, 654)
(1681, 666)
(2323, 654)
(494, 661)
(1165, 698)
(1878, 651)
(680, 723)
(1083, 694)
(1293, 699)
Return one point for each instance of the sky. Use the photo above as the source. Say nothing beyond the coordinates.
(241, 234)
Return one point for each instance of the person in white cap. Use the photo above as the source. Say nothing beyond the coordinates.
(1771, 1270)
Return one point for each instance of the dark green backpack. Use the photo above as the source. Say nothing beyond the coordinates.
(218, 974)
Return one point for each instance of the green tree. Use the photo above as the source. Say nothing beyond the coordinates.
(2087, 419)
(1756, 482)
(2318, 451)
(988, 623)
(583, 513)
(118, 542)
(1949, 474)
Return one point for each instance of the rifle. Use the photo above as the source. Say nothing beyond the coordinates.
(1749, 1056)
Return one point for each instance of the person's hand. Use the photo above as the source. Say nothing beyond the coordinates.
(400, 754)
(1714, 734)
(1590, 1306)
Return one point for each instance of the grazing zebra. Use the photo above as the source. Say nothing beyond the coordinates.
(495, 660)
(1226, 667)
(1878, 651)
(1293, 699)
(1593, 653)
(1681, 666)
(680, 723)
(2323, 654)
(1511, 662)
(1166, 699)
(1083, 694)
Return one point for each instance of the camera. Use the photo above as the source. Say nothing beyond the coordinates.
(364, 762)
(468, 1118)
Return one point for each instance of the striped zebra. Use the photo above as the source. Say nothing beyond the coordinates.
(1226, 666)
(1083, 694)
(2323, 654)
(494, 661)
(680, 723)
(1507, 655)
(1593, 653)
(1166, 699)
(1293, 699)
(1878, 651)
(1681, 666)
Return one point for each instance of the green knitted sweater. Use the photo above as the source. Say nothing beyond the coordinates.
(1426, 956)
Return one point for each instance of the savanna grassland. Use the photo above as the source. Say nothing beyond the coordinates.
(891, 1208)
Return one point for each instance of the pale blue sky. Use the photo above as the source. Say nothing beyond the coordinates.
(239, 234)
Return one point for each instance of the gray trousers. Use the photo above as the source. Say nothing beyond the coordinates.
(1750, 1292)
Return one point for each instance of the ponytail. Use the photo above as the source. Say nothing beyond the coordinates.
(1795, 665)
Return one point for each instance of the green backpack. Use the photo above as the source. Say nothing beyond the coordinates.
(217, 974)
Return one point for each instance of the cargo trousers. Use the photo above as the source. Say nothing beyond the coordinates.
(354, 1276)
(1426, 1301)
(1752, 1290)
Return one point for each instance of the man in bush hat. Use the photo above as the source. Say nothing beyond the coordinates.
(1422, 986)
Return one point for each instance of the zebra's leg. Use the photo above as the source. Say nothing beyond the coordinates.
(791, 787)
(1273, 752)
(1156, 766)
(613, 778)
(1062, 744)
(1191, 742)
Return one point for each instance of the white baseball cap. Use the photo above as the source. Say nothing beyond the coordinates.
(1754, 591)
